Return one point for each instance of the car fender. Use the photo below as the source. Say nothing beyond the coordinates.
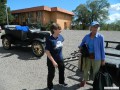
(5, 35)
(40, 40)
(2, 36)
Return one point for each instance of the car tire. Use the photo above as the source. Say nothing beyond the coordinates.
(6, 43)
(37, 49)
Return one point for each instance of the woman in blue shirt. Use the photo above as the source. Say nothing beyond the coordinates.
(53, 48)
(95, 43)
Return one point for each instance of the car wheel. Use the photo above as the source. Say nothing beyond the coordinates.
(37, 49)
(6, 43)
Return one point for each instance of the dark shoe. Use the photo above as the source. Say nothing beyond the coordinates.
(64, 84)
(51, 89)
(82, 84)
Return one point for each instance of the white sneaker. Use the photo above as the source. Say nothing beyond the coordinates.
(64, 85)
(51, 89)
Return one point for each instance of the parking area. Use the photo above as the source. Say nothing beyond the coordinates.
(21, 70)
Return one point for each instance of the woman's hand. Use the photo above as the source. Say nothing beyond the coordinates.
(103, 62)
(80, 49)
(51, 59)
(55, 64)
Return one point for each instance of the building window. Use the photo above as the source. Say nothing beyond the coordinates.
(38, 15)
(16, 16)
(30, 15)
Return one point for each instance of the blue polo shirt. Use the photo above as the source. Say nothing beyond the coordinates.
(91, 46)
(54, 45)
(98, 45)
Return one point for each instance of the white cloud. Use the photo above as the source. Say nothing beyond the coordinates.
(114, 11)
(115, 7)
(114, 17)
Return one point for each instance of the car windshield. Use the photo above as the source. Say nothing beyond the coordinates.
(35, 30)
(34, 26)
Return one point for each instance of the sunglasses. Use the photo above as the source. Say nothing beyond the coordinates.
(96, 26)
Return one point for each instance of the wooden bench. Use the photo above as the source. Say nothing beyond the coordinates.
(107, 42)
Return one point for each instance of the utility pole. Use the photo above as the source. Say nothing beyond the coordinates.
(7, 15)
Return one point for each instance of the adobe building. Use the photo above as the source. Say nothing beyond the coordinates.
(43, 15)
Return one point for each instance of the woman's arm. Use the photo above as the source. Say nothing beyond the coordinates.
(83, 42)
(102, 51)
(47, 51)
(51, 58)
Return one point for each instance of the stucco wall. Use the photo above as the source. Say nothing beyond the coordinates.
(45, 17)
(53, 16)
(64, 20)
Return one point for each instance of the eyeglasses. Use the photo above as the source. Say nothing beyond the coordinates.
(95, 26)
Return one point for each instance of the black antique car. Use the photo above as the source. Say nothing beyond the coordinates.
(34, 38)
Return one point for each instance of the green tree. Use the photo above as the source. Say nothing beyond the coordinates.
(82, 15)
(115, 25)
(98, 9)
(92, 10)
(3, 15)
(2, 12)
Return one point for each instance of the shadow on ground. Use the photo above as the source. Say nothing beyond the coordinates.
(76, 77)
(23, 53)
(57, 87)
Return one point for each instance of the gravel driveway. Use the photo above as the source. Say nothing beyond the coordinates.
(20, 70)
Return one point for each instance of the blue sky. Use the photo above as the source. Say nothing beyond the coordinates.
(69, 5)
